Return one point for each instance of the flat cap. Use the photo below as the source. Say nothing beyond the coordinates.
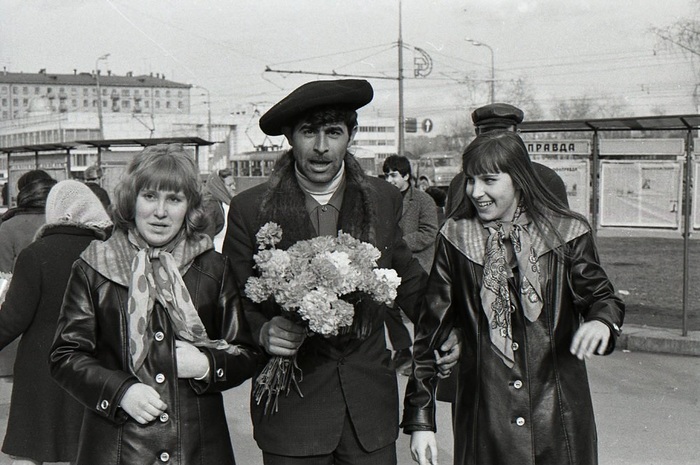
(496, 116)
(349, 93)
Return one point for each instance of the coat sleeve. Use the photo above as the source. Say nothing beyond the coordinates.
(239, 247)
(424, 236)
(433, 327)
(22, 298)
(594, 295)
(232, 366)
(72, 359)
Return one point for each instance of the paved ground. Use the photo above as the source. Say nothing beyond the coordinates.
(647, 406)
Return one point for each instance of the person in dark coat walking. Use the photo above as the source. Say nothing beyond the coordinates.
(44, 420)
(349, 410)
(17, 231)
(151, 329)
(519, 275)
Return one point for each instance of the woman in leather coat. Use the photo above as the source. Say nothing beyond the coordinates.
(151, 329)
(519, 275)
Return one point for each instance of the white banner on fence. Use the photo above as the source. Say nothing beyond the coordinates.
(576, 177)
(640, 194)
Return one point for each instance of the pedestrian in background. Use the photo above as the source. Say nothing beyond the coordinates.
(439, 196)
(519, 275)
(44, 420)
(419, 225)
(20, 224)
(151, 330)
(93, 179)
(219, 190)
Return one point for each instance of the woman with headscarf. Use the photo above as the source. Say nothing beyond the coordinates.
(151, 330)
(44, 420)
(219, 189)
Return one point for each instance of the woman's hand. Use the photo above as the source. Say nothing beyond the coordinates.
(191, 362)
(142, 403)
(283, 337)
(592, 337)
(448, 355)
(424, 448)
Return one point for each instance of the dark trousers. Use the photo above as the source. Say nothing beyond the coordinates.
(398, 333)
(348, 452)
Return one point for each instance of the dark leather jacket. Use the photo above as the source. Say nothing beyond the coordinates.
(90, 359)
(539, 411)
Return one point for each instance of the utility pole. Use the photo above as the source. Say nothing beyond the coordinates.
(99, 94)
(476, 43)
(402, 121)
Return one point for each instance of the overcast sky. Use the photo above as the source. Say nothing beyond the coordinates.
(563, 49)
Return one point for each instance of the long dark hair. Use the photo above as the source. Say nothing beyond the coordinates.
(505, 152)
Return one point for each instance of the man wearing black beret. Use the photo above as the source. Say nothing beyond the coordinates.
(349, 410)
(502, 117)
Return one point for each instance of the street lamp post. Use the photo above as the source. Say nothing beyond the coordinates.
(99, 94)
(476, 43)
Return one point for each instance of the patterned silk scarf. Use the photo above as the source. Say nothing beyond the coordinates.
(495, 296)
(154, 274)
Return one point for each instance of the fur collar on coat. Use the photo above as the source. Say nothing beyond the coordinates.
(285, 203)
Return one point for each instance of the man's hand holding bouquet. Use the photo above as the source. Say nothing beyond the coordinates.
(311, 281)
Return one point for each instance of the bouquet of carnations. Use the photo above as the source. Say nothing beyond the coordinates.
(310, 281)
(5, 279)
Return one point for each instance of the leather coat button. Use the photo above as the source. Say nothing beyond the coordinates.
(160, 378)
(515, 346)
(164, 457)
(220, 373)
(164, 417)
(517, 384)
(104, 405)
(520, 421)
(159, 336)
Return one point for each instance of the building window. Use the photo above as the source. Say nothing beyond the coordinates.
(25, 90)
(179, 105)
(125, 93)
(25, 101)
(126, 103)
(74, 102)
(147, 104)
(85, 103)
(179, 93)
(3, 89)
(37, 90)
(85, 91)
(15, 102)
(147, 92)
(73, 91)
(157, 93)
(167, 93)
(167, 104)
(158, 104)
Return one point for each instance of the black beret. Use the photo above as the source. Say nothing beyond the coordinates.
(349, 93)
(496, 116)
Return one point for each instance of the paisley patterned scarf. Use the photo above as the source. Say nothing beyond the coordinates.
(505, 240)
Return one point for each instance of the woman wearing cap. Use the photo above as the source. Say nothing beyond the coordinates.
(151, 330)
(44, 420)
(519, 274)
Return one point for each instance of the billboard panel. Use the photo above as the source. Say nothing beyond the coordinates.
(576, 177)
(645, 194)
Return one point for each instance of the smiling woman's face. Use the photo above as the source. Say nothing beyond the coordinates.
(159, 215)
